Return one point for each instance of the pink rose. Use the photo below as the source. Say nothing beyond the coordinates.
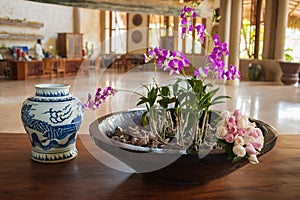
(258, 131)
(250, 149)
(242, 132)
(257, 145)
(231, 121)
(229, 138)
(232, 129)
(237, 114)
(253, 134)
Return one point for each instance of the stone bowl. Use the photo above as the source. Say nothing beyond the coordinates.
(173, 166)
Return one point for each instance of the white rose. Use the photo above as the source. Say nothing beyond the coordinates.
(239, 140)
(250, 126)
(249, 129)
(242, 122)
(239, 150)
(221, 123)
(260, 139)
(253, 159)
(225, 114)
(221, 132)
(248, 139)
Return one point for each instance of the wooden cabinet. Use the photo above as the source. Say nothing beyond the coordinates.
(3, 66)
(69, 45)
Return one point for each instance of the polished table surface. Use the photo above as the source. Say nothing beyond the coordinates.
(276, 177)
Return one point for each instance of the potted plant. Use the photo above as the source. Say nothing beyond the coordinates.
(290, 69)
(177, 137)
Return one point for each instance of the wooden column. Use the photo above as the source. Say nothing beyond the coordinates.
(76, 20)
(176, 34)
(257, 28)
(235, 32)
(276, 16)
(102, 31)
(280, 29)
(269, 36)
(224, 24)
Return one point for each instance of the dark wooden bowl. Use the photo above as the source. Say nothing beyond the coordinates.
(172, 166)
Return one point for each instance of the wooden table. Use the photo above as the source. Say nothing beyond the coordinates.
(276, 177)
(24, 70)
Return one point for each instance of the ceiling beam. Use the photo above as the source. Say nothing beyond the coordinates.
(161, 7)
(294, 9)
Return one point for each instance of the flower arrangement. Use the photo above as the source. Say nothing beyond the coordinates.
(179, 113)
(241, 137)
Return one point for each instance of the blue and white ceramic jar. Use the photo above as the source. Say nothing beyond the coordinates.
(52, 118)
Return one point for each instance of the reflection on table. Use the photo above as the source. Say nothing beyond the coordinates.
(275, 177)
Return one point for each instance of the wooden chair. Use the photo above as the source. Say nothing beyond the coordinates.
(48, 67)
(98, 63)
(61, 67)
(121, 63)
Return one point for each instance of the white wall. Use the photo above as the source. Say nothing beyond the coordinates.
(56, 19)
(90, 27)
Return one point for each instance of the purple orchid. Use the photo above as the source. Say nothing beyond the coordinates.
(216, 63)
(169, 61)
(94, 103)
(187, 15)
(175, 61)
(158, 56)
(200, 32)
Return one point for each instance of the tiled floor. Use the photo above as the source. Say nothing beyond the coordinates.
(272, 102)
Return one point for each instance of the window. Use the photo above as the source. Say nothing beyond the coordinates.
(164, 30)
(252, 32)
(115, 32)
(157, 30)
(186, 45)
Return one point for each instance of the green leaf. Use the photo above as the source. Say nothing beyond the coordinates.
(164, 102)
(221, 97)
(197, 85)
(145, 86)
(144, 118)
(142, 100)
(236, 158)
(165, 91)
(152, 95)
(175, 88)
(216, 100)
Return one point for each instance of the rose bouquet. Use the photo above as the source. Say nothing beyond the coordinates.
(179, 114)
(240, 137)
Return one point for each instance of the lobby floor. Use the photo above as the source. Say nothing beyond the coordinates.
(273, 103)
